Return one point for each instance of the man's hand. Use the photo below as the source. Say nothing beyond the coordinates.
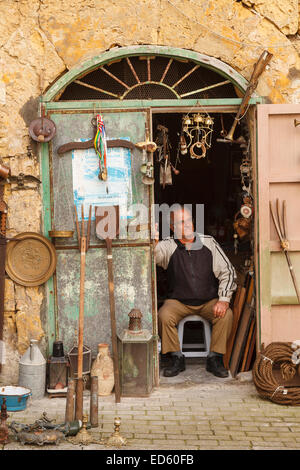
(220, 308)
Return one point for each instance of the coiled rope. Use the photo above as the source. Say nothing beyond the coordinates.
(286, 357)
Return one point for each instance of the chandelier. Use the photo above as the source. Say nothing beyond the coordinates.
(198, 129)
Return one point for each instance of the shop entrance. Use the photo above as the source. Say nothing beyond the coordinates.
(221, 181)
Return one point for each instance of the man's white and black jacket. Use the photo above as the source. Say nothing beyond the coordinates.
(198, 275)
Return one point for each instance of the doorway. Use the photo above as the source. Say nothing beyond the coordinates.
(220, 182)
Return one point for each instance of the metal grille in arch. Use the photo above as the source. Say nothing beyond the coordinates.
(149, 77)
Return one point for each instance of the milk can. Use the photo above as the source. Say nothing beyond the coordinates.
(32, 370)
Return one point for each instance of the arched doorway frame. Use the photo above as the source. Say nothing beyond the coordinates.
(49, 105)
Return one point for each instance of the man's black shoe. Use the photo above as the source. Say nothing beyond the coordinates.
(177, 366)
(215, 365)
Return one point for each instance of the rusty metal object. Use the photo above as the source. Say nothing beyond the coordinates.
(4, 171)
(94, 402)
(20, 180)
(3, 242)
(42, 129)
(90, 143)
(69, 416)
(281, 229)
(4, 439)
(135, 320)
(40, 438)
(31, 259)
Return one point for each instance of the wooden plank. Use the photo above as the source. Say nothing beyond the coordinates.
(251, 350)
(116, 104)
(247, 346)
(242, 331)
(236, 310)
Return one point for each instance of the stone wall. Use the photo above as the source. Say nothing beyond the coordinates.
(42, 39)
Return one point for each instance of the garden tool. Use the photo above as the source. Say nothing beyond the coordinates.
(107, 228)
(83, 244)
(280, 226)
(258, 69)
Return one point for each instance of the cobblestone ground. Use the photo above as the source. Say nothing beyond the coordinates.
(215, 414)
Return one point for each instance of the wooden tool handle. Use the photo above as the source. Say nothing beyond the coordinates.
(113, 319)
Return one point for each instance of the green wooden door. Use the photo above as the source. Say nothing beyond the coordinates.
(132, 256)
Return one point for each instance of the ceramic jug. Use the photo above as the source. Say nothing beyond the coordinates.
(103, 368)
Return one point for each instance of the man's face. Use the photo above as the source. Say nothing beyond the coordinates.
(182, 224)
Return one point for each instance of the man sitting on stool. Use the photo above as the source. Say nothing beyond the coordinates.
(201, 280)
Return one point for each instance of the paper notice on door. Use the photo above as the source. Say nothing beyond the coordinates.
(89, 190)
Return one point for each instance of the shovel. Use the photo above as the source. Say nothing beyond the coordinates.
(107, 228)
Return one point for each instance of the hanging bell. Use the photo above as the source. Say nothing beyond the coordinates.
(198, 119)
(209, 121)
(187, 121)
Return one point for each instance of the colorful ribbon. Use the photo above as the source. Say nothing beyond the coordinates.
(100, 146)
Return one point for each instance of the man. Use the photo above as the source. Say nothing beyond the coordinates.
(201, 280)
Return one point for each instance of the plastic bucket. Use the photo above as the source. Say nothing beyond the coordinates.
(16, 397)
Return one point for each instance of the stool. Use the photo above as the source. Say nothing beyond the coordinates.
(207, 337)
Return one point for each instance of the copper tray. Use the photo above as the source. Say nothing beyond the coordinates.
(31, 259)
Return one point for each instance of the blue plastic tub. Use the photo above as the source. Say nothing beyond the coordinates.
(16, 397)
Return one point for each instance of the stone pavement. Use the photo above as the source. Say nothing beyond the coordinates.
(192, 411)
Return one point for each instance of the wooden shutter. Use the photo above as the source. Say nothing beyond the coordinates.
(278, 176)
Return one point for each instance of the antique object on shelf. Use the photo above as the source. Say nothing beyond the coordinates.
(42, 129)
(281, 229)
(135, 347)
(258, 69)
(83, 245)
(61, 233)
(110, 216)
(103, 369)
(116, 440)
(31, 259)
(57, 376)
(32, 370)
(4, 439)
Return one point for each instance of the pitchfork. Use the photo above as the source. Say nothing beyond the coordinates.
(280, 226)
(83, 244)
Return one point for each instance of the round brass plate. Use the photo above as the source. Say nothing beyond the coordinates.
(30, 260)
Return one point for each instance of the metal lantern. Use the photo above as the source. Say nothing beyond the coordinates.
(135, 348)
(87, 360)
(57, 368)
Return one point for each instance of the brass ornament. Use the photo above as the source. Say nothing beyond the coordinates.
(116, 440)
(31, 259)
(83, 437)
(61, 233)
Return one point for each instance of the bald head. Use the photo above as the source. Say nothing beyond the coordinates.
(181, 223)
